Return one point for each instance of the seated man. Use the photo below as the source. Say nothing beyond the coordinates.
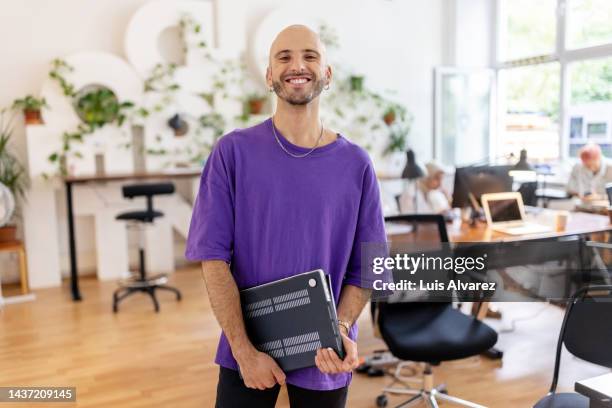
(430, 197)
(589, 177)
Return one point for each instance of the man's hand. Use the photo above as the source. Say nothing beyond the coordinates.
(328, 361)
(591, 197)
(259, 370)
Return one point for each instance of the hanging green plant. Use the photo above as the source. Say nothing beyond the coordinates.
(59, 68)
(97, 106)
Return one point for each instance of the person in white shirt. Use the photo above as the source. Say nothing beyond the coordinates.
(589, 177)
(430, 196)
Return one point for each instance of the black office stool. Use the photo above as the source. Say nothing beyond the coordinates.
(140, 282)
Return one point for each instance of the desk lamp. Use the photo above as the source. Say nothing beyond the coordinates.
(522, 167)
(412, 172)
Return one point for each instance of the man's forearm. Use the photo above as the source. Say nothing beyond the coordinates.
(225, 301)
(352, 302)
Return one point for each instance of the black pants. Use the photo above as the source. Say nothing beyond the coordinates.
(232, 393)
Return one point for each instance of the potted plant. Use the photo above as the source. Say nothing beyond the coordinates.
(356, 83)
(395, 112)
(389, 116)
(31, 107)
(13, 180)
(255, 103)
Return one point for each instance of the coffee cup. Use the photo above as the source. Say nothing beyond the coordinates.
(561, 220)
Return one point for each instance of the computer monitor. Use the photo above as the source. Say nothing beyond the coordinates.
(479, 180)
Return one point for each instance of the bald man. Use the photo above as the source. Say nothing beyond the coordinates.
(280, 198)
(589, 177)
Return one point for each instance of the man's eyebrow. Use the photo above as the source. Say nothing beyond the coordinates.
(304, 50)
(281, 52)
(313, 51)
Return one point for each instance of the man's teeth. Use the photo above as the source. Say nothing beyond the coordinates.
(298, 80)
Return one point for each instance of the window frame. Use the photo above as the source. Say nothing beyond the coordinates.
(563, 55)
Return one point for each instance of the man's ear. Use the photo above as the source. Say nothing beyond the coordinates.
(328, 75)
(269, 77)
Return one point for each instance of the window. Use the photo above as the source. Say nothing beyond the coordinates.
(590, 109)
(463, 115)
(528, 28)
(553, 96)
(531, 114)
(589, 23)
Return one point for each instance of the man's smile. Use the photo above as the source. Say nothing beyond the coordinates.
(298, 80)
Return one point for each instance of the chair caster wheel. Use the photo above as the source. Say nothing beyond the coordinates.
(381, 401)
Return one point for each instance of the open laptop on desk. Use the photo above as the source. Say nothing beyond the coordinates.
(505, 213)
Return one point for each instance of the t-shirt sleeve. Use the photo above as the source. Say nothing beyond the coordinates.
(573, 185)
(370, 238)
(211, 232)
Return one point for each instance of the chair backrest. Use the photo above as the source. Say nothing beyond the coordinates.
(147, 189)
(587, 328)
(528, 192)
(426, 227)
(414, 234)
(609, 192)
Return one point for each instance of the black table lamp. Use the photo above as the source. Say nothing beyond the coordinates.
(412, 172)
(522, 166)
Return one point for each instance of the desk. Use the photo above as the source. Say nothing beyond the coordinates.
(595, 207)
(598, 390)
(578, 224)
(72, 180)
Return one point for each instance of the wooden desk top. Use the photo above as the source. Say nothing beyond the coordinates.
(578, 224)
(176, 173)
(11, 245)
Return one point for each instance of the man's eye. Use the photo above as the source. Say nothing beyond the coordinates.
(311, 57)
(284, 59)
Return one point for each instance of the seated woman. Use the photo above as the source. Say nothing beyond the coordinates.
(429, 197)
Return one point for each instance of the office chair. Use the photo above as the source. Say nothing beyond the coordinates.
(424, 228)
(609, 193)
(139, 219)
(587, 333)
(528, 193)
(428, 332)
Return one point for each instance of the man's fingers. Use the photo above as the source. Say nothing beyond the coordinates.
(332, 360)
(335, 360)
(278, 374)
(324, 366)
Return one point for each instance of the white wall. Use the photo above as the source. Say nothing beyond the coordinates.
(469, 33)
(395, 44)
(35, 32)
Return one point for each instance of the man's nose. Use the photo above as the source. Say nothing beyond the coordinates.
(297, 65)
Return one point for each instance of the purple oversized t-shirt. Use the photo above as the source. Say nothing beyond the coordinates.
(271, 215)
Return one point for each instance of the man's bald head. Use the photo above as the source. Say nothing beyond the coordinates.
(297, 34)
(297, 67)
(590, 154)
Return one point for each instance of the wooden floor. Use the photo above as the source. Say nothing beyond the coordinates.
(137, 358)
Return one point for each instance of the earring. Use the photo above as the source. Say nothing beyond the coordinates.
(326, 87)
(271, 89)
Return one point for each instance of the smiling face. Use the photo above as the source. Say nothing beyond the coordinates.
(297, 69)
